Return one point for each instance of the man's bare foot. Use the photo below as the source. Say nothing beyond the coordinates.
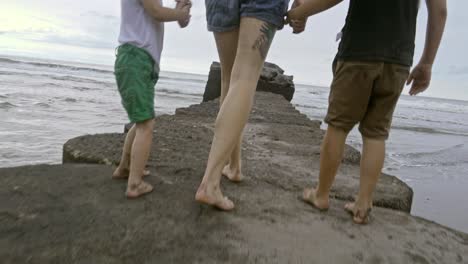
(123, 173)
(213, 197)
(360, 213)
(310, 196)
(234, 175)
(137, 190)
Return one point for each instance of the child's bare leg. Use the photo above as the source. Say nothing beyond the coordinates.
(255, 37)
(373, 157)
(226, 43)
(122, 171)
(330, 160)
(139, 157)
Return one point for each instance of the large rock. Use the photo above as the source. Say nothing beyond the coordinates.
(75, 213)
(271, 80)
(281, 147)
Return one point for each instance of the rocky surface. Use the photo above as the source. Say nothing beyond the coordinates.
(75, 213)
(271, 80)
(281, 147)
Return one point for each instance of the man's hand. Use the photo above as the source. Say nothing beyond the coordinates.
(184, 5)
(298, 25)
(420, 78)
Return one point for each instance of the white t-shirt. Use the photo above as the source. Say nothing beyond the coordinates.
(140, 29)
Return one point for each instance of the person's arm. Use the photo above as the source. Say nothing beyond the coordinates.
(164, 14)
(311, 7)
(420, 77)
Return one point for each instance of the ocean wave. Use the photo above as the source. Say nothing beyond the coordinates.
(8, 60)
(167, 91)
(65, 99)
(416, 155)
(80, 68)
(429, 130)
(70, 100)
(57, 78)
(315, 111)
(434, 104)
(7, 105)
(75, 79)
(45, 105)
(49, 85)
(413, 118)
(439, 164)
(80, 88)
(4, 73)
(166, 78)
(434, 163)
(55, 66)
(446, 157)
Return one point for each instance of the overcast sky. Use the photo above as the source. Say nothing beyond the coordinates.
(87, 30)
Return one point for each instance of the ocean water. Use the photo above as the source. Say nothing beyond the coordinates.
(45, 103)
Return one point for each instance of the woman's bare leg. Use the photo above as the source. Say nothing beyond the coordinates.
(255, 37)
(226, 43)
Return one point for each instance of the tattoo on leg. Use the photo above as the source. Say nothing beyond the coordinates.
(263, 42)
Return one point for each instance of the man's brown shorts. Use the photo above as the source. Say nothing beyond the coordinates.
(365, 93)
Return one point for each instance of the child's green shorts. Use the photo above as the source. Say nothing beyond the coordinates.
(136, 77)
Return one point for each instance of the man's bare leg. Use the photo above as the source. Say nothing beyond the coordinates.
(226, 43)
(373, 157)
(139, 157)
(255, 37)
(123, 170)
(330, 160)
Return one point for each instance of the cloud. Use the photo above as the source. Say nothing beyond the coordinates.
(87, 41)
(98, 15)
(458, 70)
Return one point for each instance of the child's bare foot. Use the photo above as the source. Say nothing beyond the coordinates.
(360, 213)
(213, 197)
(137, 190)
(234, 175)
(123, 173)
(310, 196)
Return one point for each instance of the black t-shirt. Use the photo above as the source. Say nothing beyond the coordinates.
(380, 30)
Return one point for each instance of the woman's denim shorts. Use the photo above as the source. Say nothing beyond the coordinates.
(225, 15)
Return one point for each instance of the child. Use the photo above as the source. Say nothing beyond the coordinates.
(137, 71)
(370, 70)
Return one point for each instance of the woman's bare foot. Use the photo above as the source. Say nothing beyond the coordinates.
(310, 196)
(213, 197)
(123, 173)
(360, 213)
(234, 175)
(137, 190)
